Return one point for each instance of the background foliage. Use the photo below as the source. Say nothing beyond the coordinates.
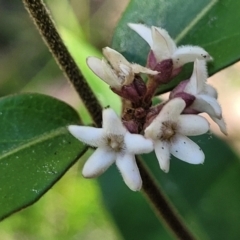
(73, 209)
(206, 196)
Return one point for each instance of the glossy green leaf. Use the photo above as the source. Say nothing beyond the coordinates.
(35, 148)
(211, 24)
(207, 196)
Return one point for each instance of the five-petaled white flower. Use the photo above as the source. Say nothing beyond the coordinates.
(164, 47)
(119, 72)
(169, 130)
(205, 94)
(114, 143)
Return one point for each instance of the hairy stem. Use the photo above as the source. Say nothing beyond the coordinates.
(161, 205)
(45, 25)
(41, 17)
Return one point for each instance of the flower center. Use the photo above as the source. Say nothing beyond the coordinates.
(115, 142)
(168, 130)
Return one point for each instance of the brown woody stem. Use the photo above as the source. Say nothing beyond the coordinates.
(45, 25)
(162, 206)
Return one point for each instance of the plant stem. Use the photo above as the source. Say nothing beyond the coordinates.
(45, 25)
(152, 86)
(41, 17)
(162, 206)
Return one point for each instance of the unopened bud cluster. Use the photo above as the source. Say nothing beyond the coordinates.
(143, 128)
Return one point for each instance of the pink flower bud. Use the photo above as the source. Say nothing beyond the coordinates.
(165, 68)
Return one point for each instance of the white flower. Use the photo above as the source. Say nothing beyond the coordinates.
(114, 143)
(206, 95)
(120, 72)
(169, 130)
(164, 47)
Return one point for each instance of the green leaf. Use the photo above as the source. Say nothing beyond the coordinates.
(131, 213)
(35, 148)
(211, 24)
(207, 196)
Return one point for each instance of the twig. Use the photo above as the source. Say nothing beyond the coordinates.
(45, 25)
(162, 206)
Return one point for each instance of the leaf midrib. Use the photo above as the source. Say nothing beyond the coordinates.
(34, 141)
(199, 16)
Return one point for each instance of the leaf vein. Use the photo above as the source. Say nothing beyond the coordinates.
(204, 11)
(34, 141)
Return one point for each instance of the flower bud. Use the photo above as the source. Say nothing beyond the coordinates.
(165, 69)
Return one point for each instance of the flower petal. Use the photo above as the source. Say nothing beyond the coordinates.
(98, 163)
(222, 125)
(185, 54)
(89, 135)
(169, 112)
(162, 151)
(137, 144)
(126, 73)
(186, 150)
(102, 69)
(139, 69)
(95, 64)
(210, 91)
(112, 123)
(163, 45)
(111, 77)
(154, 130)
(123, 67)
(198, 79)
(192, 125)
(143, 31)
(208, 104)
(127, 166)
(115, 58)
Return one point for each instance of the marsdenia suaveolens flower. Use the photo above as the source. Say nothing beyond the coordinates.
(119, 72)
(114, 144)
(169, 130)
(205, 95)
(164, 47)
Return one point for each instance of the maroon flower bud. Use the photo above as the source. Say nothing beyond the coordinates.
(134, 91)
(179, 88)
(165, 69)
(188, 98)
(140, 112)
(140, 86)
(152, 61)
(128, 92)
(152, 113)
(131, 126)
(178, 92)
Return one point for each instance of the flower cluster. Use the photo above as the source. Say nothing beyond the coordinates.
(144, 128)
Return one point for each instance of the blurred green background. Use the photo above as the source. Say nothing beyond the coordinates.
(73, 208)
